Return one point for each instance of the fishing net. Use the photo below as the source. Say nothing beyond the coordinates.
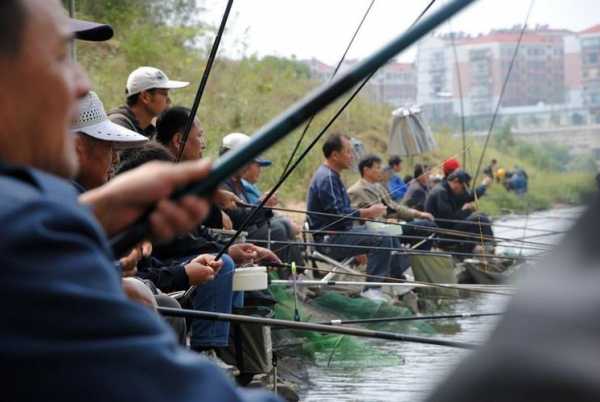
(329, 350)
(339, 350)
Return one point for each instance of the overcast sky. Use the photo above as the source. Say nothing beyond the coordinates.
(323, 28)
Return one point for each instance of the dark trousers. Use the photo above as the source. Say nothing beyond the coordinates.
(359, 241)
(420, 228)
(476, 226)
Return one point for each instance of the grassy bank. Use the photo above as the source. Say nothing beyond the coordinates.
(242, 95)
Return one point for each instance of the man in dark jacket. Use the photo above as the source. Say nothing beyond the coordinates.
(262, 227)
(73, 331)
(447, 202)
(418, 188)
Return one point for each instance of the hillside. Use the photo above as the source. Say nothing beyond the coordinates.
(242, 95)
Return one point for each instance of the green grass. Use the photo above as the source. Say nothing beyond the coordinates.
(242, 95)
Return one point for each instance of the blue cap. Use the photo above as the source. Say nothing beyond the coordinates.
(263, 162)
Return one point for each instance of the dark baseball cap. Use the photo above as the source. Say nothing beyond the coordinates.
(90, 31)
(460, 175)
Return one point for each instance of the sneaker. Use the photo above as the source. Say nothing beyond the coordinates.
(211, 355)
(375, 295)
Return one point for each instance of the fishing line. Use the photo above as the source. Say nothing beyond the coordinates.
(209, 64)
(261, 205)
(463, 316)
(503, 90)
(401, 250)
(206, 315)
(395, 280)
(291, 118)
(437, 230)
(337, 67)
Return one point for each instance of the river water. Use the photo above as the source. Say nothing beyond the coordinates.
(424, 365)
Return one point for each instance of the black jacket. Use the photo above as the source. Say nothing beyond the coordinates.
(416, 195)
(443, 204)
(239, 215)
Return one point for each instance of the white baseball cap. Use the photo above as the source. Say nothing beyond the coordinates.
(237, 140)
(92, 120)
(145, 78)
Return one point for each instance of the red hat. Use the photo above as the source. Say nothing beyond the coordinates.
(450, 166)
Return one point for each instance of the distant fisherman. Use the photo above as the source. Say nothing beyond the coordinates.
(418, 188)
(328, 194)
(368, 191)
(447, 203)
(396, 186)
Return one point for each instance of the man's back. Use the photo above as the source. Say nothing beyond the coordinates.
(415, 196)
(69, 332)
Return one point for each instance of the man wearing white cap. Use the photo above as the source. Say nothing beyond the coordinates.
(147, 96)
(262, 227)
(97, 141)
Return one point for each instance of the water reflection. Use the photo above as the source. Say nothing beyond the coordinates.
(426, 365)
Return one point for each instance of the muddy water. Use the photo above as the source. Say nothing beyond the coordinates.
(424, 365)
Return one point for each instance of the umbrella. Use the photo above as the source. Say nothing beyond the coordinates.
(410, 134)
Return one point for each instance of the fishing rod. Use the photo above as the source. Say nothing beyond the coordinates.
(331, 283)
(345, 105)
(389, 279)
(209, 64)
(557, 233)
(424, 228)
(337, 67)
(461, 97)
(306, 326)
(398, 250)
(415, 237)
(279, 127)
(287, 173)
(410, 318)
(503, 90)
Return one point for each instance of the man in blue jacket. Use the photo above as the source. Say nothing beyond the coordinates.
(327, 194)
(72, 335)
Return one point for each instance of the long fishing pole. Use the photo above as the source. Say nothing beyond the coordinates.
(354, 94)
(337, 67)
(463, 316)
(279, 127)
(391, 279)
(398, 250)
(461, 98)
(209, 64)
(503, 90)
(424, 228)
(342, 78)
(304, 326)
(337, 284)
(415, 237)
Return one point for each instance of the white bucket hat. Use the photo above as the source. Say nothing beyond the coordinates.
(145, 78)
(92, 120)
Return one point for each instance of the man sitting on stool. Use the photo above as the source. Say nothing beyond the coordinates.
(368, 191)
(446, 202)
(328, 194)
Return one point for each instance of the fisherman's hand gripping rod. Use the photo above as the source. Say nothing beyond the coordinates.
(285, 123)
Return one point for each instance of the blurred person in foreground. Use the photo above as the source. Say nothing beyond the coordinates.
(73, 327)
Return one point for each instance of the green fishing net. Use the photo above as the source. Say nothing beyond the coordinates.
(339, 350)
